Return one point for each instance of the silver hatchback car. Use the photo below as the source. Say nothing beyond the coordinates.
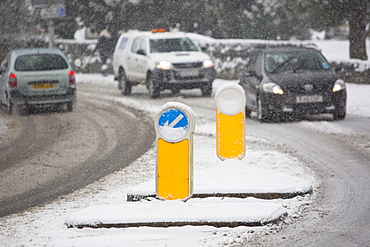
(30, 77)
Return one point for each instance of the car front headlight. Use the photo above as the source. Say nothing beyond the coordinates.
(339, 85)
(208, 64)
(272, 88)
(165, 65)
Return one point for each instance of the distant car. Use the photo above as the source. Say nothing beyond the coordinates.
(161, 60)
(31, 77)
(292, 81)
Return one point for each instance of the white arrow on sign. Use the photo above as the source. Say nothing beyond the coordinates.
(174, 122)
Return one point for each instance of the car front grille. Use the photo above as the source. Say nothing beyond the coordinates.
(187, 65)
(177, 77)
(314, 90)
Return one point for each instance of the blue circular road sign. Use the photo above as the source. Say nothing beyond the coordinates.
(173, 124)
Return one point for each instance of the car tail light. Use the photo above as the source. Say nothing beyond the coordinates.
(71, 77)
(12, 80)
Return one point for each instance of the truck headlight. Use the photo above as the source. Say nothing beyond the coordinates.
(208, 64)
(165, 65)
(271, 87)
(339, 85)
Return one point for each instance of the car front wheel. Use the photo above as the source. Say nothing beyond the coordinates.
(263, 115)
(152, 87)
(339, 114)
(206, 89)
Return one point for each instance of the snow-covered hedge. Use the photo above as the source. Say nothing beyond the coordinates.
(230, 60)
(230, 56)
(80, 55)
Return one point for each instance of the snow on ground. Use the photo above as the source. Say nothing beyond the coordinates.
(45, 225)
(3, 126)
(357, 104)
(358, 98)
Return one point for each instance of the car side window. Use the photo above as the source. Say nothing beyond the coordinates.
(135, 45)
(258, 65)
(251, 65)
(142, 46)
(123, 43)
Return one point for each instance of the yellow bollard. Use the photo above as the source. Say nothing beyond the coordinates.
(230, 122)
(174, 127)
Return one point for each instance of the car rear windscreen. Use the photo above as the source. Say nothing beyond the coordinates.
(39, 62)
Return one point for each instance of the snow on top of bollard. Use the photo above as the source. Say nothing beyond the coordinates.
(230, 99)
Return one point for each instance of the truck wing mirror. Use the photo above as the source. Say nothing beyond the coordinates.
(141, 52)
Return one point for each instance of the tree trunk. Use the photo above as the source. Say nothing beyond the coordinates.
(357, 33)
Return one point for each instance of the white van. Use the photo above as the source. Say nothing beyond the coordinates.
(161, 60)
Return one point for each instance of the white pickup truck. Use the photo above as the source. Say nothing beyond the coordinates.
(161, 60)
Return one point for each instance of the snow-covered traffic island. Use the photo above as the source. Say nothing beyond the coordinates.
(217, 197)
(222, 198)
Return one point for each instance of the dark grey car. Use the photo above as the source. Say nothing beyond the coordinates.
(281, 82)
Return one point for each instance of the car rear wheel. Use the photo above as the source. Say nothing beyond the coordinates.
(248, 112)
(152, 87)
(24, 110)
(70, 106)
(9, 105)
(124, 83)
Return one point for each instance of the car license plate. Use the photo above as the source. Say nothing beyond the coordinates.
(189, 73)
(43, 85)
(309, 98)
